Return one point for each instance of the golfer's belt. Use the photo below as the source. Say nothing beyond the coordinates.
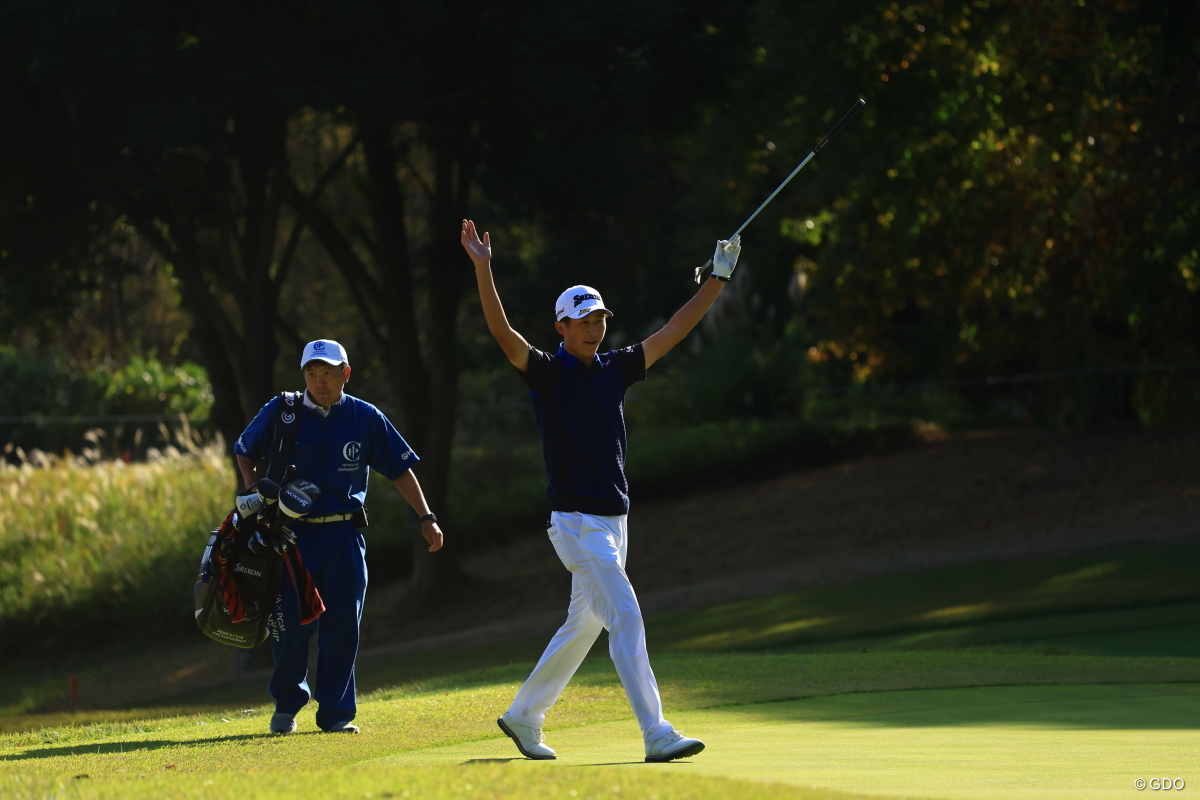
(331, 518)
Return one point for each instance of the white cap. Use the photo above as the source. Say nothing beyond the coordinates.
(578, 302)
(326, 350)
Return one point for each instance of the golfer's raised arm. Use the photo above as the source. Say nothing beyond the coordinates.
(680, 325)
(480, 250)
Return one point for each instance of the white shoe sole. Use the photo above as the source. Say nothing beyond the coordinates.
(517, 742)
(683, 752)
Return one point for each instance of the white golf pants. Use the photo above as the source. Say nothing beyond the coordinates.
(594, 549)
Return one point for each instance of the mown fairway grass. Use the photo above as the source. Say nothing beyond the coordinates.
(991, 680)
(180, 754)
(1129, 602)
(959, 606)
(1012, 741)
(474, 781)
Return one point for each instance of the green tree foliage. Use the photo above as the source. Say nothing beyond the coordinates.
(57, 387)
(526, 104)
(1019, 193)
(130, 122)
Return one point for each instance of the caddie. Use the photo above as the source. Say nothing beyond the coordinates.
(578, 398)
(339, 440)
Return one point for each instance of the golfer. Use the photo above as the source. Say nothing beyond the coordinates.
(578, 398)
(339, 440)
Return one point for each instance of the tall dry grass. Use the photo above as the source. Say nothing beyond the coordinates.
(104, 551)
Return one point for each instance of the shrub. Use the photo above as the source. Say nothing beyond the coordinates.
(105, 552)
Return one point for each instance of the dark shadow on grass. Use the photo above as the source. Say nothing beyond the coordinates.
(1097, 706)
(643, 762)
(492, 760)
(109, 748)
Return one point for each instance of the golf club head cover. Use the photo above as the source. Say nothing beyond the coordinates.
(248, 502)
(308, 487)
(268, 490)
(725, 257)
(294, 501)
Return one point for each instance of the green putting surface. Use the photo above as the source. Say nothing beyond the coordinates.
(994, 742)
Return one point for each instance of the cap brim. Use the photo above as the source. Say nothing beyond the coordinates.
(334, 361)
(580, 313)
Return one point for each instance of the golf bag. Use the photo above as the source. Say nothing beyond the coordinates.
(242, 565)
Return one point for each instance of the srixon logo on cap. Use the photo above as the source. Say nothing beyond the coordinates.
(579, 298)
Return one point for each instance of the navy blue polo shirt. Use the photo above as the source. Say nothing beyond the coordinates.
(337, 451)
(580, 410)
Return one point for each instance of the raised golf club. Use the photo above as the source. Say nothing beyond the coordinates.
(825, 140)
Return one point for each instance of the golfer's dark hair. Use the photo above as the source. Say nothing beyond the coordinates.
(309, 363)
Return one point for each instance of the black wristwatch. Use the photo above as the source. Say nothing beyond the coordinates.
(430, 517)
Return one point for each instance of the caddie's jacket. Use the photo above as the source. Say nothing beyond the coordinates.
(336, 452)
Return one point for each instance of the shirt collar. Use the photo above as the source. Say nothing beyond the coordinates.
(568, 358)
(308, 403)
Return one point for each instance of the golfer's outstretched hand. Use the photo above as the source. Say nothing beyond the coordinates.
(726, 256)
(432, 534)
(480, 250)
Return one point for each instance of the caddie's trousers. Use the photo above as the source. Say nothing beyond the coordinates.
(335, 554)
(594, 549)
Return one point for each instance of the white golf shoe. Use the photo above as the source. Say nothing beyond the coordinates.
(283, 723)
(671, 746)
(528, 740)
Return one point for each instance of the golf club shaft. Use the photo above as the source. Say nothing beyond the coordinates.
(778, 189)
(825, 140)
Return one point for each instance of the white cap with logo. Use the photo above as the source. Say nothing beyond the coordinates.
(326, 350)
(577, 302)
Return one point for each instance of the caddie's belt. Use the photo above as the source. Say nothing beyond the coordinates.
(331, 518)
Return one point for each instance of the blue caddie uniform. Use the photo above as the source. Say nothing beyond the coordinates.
(336, 451)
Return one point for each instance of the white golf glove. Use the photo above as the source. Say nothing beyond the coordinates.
(726, 256)
(248, 503)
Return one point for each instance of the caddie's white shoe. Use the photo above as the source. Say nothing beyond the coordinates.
(671, 746)
(283, 723)
(528, 740)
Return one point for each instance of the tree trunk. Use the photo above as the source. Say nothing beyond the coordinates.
(400, 344)
(239, 271)
(448, 271)
(424, 385)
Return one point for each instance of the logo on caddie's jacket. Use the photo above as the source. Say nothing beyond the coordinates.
(352, 451)
(247, 570)
(579, 298)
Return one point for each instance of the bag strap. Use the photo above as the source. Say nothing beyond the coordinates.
(286, 425)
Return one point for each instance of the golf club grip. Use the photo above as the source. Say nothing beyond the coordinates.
(853, 110)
